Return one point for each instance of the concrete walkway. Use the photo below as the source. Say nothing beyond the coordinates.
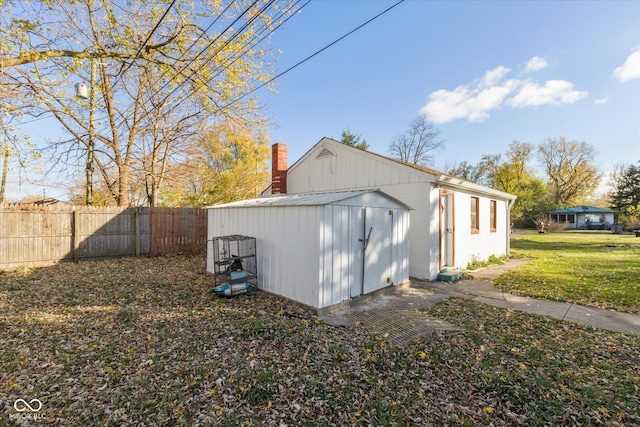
(425, 294)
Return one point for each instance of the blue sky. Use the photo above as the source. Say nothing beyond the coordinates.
(487, 72)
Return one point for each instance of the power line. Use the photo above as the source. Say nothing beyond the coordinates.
(190, 61)
(193, 72)
(312, 55)
(242, 53)
(208, 45)
(166, 12)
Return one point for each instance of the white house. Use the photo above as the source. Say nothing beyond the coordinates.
(584, 217)
(453, 222)
(324, 248)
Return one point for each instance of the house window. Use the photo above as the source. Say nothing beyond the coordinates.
(562, 218)
(571, 218)
(475, 215)
(492, 216)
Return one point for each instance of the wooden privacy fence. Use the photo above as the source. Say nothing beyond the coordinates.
(32, 236)
(177, 230)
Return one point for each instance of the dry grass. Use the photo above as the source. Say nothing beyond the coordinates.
(142, 342)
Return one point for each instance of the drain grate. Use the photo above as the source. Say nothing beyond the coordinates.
(400, 326)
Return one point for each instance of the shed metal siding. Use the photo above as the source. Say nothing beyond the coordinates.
(311, 253)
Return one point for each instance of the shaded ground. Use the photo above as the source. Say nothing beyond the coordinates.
(142, 342)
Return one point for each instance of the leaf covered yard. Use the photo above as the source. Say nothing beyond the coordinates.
(142, 342)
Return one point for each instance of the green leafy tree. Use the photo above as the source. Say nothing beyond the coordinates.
(570, 171)
(354, 140)
(515, 177)
(625, 197)
(156, 73)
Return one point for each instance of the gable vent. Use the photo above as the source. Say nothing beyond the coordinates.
(325, 153)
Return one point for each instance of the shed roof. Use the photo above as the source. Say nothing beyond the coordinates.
(305, 199)
(582, 209)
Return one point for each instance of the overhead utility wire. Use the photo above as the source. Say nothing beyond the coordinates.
(205, 48)
(251, 43)
(195, 57)
(312, 55)
(208, 45)
(193, 43)
(187, 95)
(224, 44)
(243, 52)
(235, 35)
(121, 72)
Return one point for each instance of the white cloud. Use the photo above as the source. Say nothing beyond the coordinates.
(473, 104)
(493, 77)
(474, 101)
(532, 94)
(631, 68)
(536, 63)
(601, 101)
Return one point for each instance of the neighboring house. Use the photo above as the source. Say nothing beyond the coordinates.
(454, 221)
(49, 201)
(584, 217)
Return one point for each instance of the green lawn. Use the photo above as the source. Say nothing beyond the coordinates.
(143, 342)
(594, 268)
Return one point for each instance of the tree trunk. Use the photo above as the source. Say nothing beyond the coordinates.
(123, 188)
(5, 171)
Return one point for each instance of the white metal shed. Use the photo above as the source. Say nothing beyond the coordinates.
(321, 249)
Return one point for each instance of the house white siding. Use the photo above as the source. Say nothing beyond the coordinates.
(313, 253)
(332, 166)
(320, 171)
(478, 247)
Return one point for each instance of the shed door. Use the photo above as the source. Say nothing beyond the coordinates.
(377, 243)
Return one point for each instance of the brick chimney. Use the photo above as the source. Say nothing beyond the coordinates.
(278, 168)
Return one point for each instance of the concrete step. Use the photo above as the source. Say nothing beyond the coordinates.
(449, 275)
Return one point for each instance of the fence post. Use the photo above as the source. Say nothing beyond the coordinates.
(76, 235)
(136, 226)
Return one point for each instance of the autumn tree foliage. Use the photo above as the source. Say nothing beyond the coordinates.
(514, 175)
(227, 163)
(570, 171)
(155, 73)
(569, 176)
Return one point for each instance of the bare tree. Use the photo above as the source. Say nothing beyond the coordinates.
(418, 144)
(467, 171)
(156, 73)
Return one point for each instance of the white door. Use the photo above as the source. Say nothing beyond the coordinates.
(377, 244)
(446, 229)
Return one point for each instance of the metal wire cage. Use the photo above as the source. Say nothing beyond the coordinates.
(227, 254)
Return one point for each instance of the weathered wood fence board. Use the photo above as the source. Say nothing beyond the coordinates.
(177, 230)
(41, 236)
